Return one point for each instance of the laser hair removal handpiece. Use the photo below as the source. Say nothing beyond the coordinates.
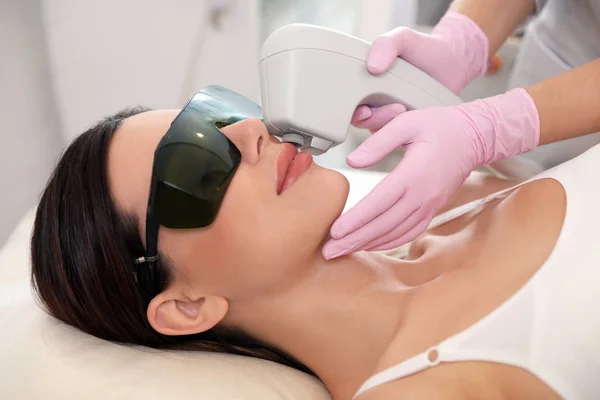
(312, 79)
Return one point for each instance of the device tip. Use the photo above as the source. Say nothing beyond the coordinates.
(294, 138)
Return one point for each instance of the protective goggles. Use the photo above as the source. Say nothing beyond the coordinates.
(194, 164)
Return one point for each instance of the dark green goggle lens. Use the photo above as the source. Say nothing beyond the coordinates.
(195, 162)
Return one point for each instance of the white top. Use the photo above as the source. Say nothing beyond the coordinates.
(551, 326)
(570, 29)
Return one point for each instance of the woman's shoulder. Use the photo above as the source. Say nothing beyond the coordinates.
(453, 381)
(393, 391)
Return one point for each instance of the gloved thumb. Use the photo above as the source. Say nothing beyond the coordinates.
(389, 46)
(377, 117)
(380, 144)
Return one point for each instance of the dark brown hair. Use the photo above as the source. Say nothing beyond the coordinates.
(82, 252)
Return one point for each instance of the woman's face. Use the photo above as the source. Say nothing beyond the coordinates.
(261, 240)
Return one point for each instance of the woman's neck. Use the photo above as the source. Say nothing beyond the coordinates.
(340, 318)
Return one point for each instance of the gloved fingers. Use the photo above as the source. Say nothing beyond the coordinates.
(403, 228)
(379, 116)
(361, 113)
(415, 47)
(408, 237)
(387, 193)
(381, 143)
(382, 197)
(382, 55)
(357, 239)
(387, 47)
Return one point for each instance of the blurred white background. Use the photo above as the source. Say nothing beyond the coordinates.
(64, 64)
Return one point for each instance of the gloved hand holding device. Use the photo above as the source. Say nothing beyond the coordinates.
(443, 145)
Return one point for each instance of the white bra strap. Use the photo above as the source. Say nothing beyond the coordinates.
(405, 368)
(461, 210)
(454, 213)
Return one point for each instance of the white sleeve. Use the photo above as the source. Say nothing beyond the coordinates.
(539, 4)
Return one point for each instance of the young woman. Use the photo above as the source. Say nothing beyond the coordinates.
(496, 302)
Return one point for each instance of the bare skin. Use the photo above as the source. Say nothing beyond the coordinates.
(259, 268)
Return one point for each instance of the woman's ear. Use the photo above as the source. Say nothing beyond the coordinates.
(171, 313)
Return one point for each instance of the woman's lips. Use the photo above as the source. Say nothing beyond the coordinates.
(299, 165)
(290, 166)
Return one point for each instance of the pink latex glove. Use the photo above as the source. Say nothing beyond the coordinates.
(454, 54)
(443, 145)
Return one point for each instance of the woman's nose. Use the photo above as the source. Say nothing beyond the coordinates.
(250, 136)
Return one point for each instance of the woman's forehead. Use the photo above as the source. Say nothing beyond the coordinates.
(130, 158)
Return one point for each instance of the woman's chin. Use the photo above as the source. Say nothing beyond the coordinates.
(336, 182)
(334, 187)
(332, 193)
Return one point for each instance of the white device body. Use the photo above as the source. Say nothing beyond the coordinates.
(312, 79)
